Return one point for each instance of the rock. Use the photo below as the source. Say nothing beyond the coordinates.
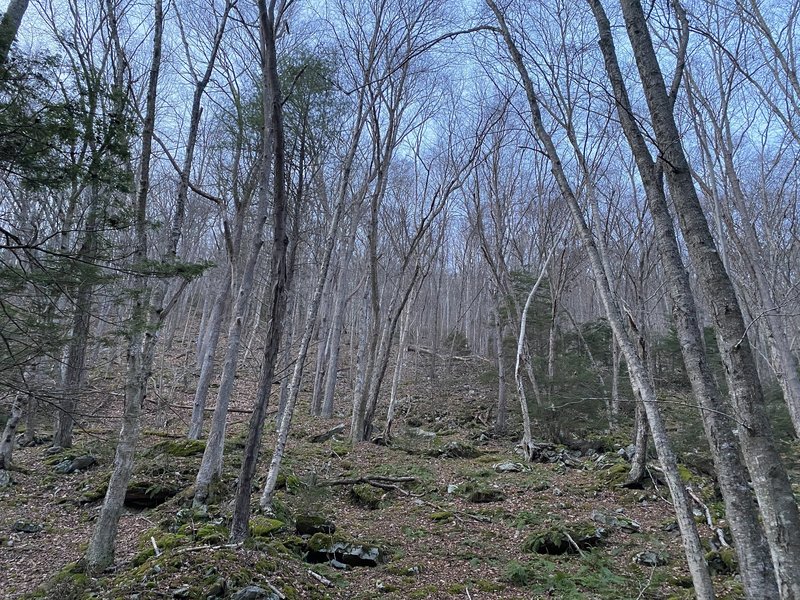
(65, 467)
(648, 558)
(26, 527)
(5, 478)
(456, 449)
(452, 488)
(253, 592)
(261, 527)
(148, 494)
(616, 522)
(557, 539)
(486, 495)
(311, 524)
(363, 494)
(323, 548)
(182, 592)
(509, 467)
(53, 450)
(419, 432)
(324, 437)
(339, 565)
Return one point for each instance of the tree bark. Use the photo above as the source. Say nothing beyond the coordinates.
(9, 25)
(639, 377)
(273, 115)
(770, 482)
(755, 563)
(142, 339)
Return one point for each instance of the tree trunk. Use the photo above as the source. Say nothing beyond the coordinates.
(273, 115)
(9, 434)
(142, 341)
(639, 377)
(770, 482)
(297, 375)
(9, 25)
(501, 420)
(208, 359)
(755, 564)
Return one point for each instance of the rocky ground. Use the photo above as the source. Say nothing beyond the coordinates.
(445, 511)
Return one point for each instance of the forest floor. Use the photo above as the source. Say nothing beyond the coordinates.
(467, 526)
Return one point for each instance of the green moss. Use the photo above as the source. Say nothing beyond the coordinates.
(266, 566)
(424, 592)
(319, 542)
(366, 495)
(557, 539)
(180, 447)
(618, 473)
(212, 534)
(444, 515)
(341, 448)
(484, 585)
(685, 474)
(722, 561)
(261, 527)
(70, 583)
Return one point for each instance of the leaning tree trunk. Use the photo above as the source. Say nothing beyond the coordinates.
(755, 563)
(297, 374)
(273, 115)
(208, 359)
(639, 378)
(501, 420)
(9, 25)
(771, 484)
(142, 338)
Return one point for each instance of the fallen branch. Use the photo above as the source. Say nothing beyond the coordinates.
(709, 520)
(323, 580)
(380, 481)
(574, 544)
(197, 548)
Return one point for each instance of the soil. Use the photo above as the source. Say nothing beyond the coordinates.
(436, 543)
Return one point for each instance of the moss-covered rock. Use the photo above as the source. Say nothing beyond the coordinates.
(311, 524)
(442, 516)
(366, 495)
(557, 539)
(180, 447)
(484, 495)
(722, 561)
(211, 533)
(261, 527)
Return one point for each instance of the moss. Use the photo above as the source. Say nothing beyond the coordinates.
(617, 473)
(557, 539)
(212, 534)
(424, 592)
(486, 586)
(442, 516)
(722, 561)
(685, 474)
(265, 566)
(483, 495)
(341, 448)
(70, 583)
(261, 527)
(180, 447)
(366, 495)
(319, 542)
